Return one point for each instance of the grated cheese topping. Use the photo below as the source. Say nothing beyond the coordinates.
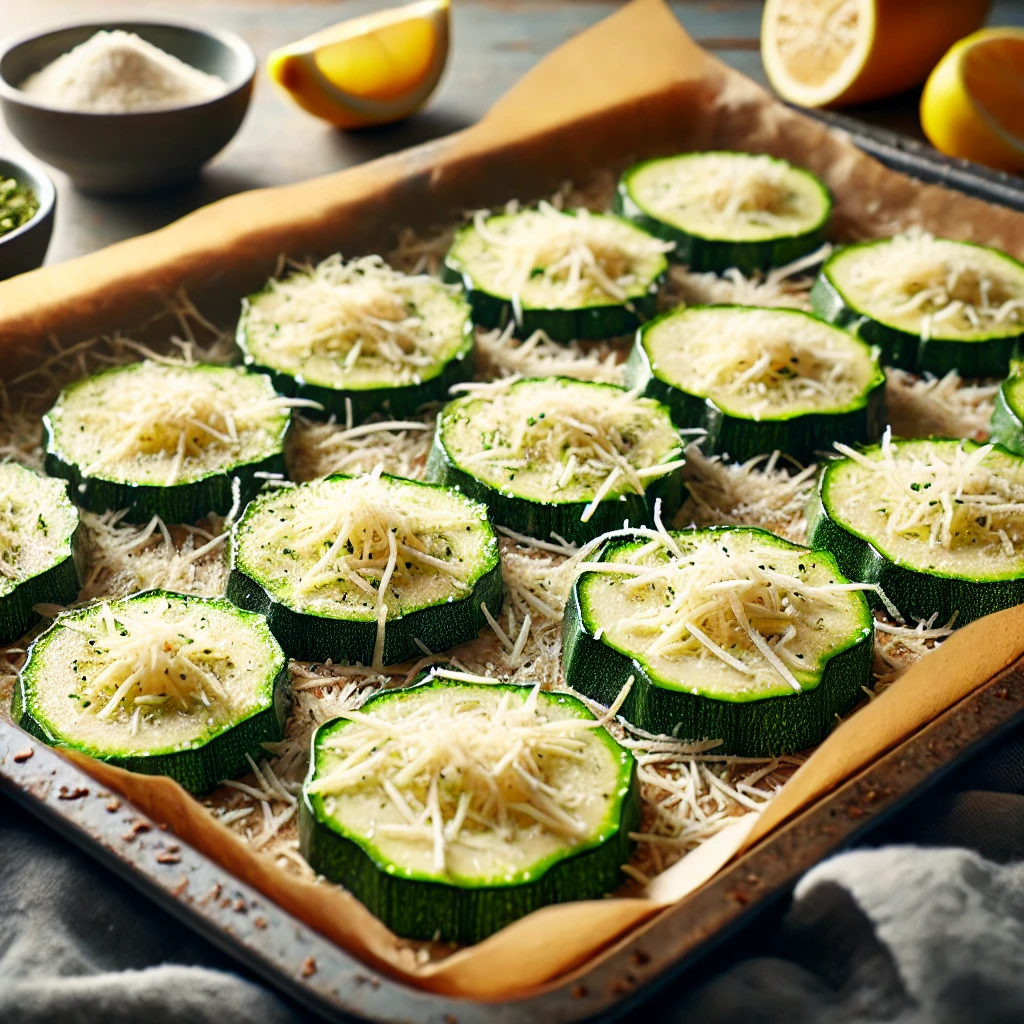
(746, 612)
(365, 546)
(898, 646)
(958, 498)
(353, 324)
(470, 781)
(933, 287)
(149, 662)
(36, 524)
(562, 440)
(122, 558)
(500, 354)
(549, 259)
(736, 196)
(168, 423)
(156, 667)
(318, 448)
(681, 807)
(767, 491)
(945, 406)
(760, 363)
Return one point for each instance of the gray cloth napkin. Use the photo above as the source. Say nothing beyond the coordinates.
(902, 933)
(79, 946)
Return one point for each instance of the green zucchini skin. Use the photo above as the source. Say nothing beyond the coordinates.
(184, 502)
(181, 503)
(588, 323)
(318, 638)
(595, 321)
(757, 728)
(418, 908)
(541, 520)
(800, 436)
(57, 584)
(717, 255)
(917, 595)
(311, 637)
(1007, 425)
(397, 402)
(984, 358)
(199, 768)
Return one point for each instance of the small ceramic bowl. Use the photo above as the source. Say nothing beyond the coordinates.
(25, 248)
(127, 154)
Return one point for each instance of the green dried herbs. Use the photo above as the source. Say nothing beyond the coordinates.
(18, 205)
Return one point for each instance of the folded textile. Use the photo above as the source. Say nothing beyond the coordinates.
(79, 946)
(903, 933)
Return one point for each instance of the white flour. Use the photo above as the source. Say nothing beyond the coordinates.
(119, 73)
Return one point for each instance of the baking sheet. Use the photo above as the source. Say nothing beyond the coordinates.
(634, 86)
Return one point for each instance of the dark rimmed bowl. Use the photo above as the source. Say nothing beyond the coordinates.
(129, 154)
(25, 248)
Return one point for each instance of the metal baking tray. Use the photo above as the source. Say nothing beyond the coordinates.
(321, 977)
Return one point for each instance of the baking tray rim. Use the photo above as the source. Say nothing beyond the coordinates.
(636, 973)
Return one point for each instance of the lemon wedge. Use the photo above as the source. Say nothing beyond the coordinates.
(820, 53)
(369, 70)
(973, 103)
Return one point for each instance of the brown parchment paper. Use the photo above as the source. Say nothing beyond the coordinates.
(632, 87)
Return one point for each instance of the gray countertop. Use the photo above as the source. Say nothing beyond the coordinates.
(494, 43)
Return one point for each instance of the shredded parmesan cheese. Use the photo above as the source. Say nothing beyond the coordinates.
(758, 492)
(577, 442)
(728, 195)
(897, 647)
(946, 495)
(344, 323)
(500, 354)
(362, 535)
(722, 599)
(935, 287)
(461, 769)
(144, 661)
(168, 421)
(560, 259)
(319, 449)
(938, 406)
(786, 287)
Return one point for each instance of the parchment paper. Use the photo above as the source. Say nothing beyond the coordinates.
(632, 87)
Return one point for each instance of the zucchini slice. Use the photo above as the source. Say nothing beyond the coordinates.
(930, 304)
(570, 274)
(1008, 413)
(452, 809)
(557, 455)
(726, 210)
(166, 439)
(938, 525)
(359, 333)
(158, 683)
(729, 633)
(38, 527)
(760, 380)
(366, 569)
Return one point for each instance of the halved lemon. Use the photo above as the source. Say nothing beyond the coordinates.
(820, 53)
(369, 70)
(973, 103)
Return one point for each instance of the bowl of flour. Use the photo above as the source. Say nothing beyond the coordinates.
(126, 108)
